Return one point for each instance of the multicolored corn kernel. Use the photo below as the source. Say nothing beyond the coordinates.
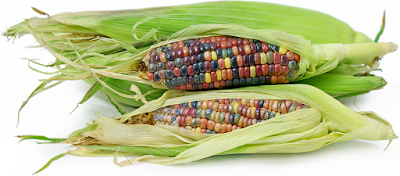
(218, 62)
(223, 115)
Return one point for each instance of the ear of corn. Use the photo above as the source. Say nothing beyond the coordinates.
(327, 121)
(87, 48)
(315, 26)
(124, 63)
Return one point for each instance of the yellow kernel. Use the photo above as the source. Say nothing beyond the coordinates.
(282, 50)
(227, 62)
(251, 103)
(219, 75)
(243, 102)
(253, 71)
(217, 127)
(263, 58)
(214, 56)
(204, 104)
(198, 129)
(253, 112)
(208, 77)
(235, 107)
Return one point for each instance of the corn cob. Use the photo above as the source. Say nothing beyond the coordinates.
(312, 121)
(212, 116)
(212, 62)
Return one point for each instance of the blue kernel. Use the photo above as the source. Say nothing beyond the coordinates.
(177, 112)
(168, 56)
(184, 70)
(194, 104)
(178, 62)
(202, 49)
(156, 76)
(202, 67)
(168, 84)
(214, 65)
(200, 57)
(248, 81)
(260, 103)
(196, 79)
(229, 52)
(173, 118)
(169, 74)
(208, 131)
(196, 68)
(242, 81)
(218, 51)
(235, 73)
(185, 105)
(292, 65)
(186, 43)
(234, 62)
(207, 46)
(179, 80)
(208, 112)
(259, 47)
(185, 79)
(164, 49)
(254, 81)
(235, 82)
(174, 82)
(201, 77)
(231, 119)
(261, 80)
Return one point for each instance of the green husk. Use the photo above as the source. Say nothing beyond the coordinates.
(350, 85)
(315, 26)
(327, 121)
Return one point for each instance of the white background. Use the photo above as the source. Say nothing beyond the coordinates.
(48, 113)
